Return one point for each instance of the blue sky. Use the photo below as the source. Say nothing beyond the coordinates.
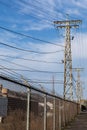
(35, 18)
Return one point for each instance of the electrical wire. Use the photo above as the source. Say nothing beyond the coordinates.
(45, 19)
(10, 72)
(45, 82)
(28, 36)
(27, 3)
(12, 7)
(39, 10)
(31, 69)
(45, 10)
(21, 49)
(55, 11)
(15, 63)
(33, 80)
(28, 79)
(18, 64)
(27, 59)
(40, 71)
(34, 16)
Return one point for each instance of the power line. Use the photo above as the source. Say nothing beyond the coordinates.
(14, 63)
(32, 81)
(38, 81)
(12, 7)
(2, 43)
(38, 10)
(46, 82)
(28, 36)
(43, 10)
(40, 71)
(17, 64)
(33, 70)
(10, 72)
(56, 11)
(27, 59)
(46, 20)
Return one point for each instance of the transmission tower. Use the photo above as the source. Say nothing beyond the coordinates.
(68, 86)
(79, 90)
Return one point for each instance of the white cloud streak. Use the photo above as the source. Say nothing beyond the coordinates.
(44, 11)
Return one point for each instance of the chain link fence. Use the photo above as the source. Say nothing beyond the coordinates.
(28, 108)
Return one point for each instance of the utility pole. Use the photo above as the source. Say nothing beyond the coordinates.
(79, 91)
(68, 86)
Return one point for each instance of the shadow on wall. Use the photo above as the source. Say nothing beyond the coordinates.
(83, 108)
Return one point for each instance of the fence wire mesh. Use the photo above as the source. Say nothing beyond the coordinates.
(33, 109)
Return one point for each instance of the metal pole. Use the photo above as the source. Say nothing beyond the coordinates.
(59, 115)
(45, 112)
(54, 107)
(64, 112)
(28, 109)
(54, 113)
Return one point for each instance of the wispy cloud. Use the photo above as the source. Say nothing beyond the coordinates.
(40, 10)
(80, 3)
(35, 18)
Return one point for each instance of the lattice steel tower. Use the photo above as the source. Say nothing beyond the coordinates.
(68, 86)
(79, 89)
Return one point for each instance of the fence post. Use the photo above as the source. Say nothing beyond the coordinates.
(28, 109)
(54, 113)
(59, 115)
(45, 111)
(64, 113)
